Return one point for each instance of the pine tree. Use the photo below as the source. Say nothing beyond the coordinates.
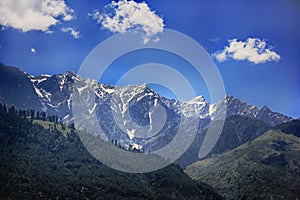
(12, 110)
(32, 114)
(4, 108)
(43, 116)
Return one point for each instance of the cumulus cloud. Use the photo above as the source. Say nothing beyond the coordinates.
(33, 50)
(27, 15)
(72, 31)
(253, 50)
(125, 15)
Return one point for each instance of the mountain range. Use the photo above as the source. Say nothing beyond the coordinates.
(256, 155)
(54, 95)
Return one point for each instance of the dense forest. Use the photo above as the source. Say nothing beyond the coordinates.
(40, 158)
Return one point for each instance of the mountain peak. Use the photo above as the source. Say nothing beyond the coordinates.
(197, 100)
(265, 108)
(70, 73)
(229, 98)
(139, 88)
(273, 118)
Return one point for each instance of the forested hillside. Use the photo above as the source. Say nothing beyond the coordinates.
(40, 159)
(265, 168)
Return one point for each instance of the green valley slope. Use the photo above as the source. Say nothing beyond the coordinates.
(265, 168)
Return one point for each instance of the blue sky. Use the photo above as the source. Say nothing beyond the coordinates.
(272, 81)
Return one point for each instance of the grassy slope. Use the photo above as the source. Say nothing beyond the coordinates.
(268, 167)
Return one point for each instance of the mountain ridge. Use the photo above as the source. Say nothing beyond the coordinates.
(45, 85)
(125, 112)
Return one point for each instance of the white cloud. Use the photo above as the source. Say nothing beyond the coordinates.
(72, 31)
(127, 15)
(254, 50)
(33, 50)
(28, 15)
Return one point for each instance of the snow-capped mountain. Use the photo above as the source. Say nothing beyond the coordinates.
(235, 106)
(55, 92)
(139, 103)
(133, 113)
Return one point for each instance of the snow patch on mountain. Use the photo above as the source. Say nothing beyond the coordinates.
(55, 93)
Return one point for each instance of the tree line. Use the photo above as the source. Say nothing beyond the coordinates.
(29, 114)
